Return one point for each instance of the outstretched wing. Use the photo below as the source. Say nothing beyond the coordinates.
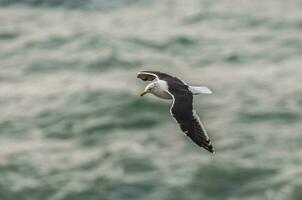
(186, 117)
(151, 75)
(147, 76)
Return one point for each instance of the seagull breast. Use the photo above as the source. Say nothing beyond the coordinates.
(160, 90)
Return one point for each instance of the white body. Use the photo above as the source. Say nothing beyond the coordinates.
(160, 90)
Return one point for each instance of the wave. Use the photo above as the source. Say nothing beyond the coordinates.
(174, 42)
(113, 60)
(73, 4)
(93, 113)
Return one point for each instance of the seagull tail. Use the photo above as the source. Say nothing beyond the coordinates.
(200, 90)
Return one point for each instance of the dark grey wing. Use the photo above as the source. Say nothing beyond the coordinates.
(151, 75)
(186, 117)
(147, 76)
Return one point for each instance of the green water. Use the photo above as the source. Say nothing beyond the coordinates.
(72, 126)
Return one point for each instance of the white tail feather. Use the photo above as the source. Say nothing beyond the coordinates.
(200, 90)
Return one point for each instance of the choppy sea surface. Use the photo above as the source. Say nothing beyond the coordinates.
(72, 126)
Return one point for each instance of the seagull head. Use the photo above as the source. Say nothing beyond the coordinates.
(148, 89)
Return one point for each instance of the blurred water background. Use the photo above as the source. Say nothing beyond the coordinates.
(72, 126)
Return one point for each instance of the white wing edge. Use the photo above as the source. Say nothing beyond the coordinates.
(148, 74)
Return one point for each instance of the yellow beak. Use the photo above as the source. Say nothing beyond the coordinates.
(142, 93)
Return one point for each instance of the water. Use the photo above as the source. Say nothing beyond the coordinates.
(73, 127)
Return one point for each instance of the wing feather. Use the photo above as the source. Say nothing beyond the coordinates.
(189, 122)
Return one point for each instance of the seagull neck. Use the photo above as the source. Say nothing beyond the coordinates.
(162, 85)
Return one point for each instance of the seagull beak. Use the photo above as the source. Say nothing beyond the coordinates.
(142, 93)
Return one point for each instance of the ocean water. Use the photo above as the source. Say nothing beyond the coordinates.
(72, 126)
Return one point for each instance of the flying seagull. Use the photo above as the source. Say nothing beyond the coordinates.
(166, 86)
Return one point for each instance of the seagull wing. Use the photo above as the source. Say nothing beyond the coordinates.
(186, 117)
(151, 75)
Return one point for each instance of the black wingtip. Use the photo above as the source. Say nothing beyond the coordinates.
(210, 149)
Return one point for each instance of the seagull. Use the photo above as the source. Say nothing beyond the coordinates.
(170, 87)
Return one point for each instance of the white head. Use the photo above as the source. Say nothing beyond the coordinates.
(149, 88)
